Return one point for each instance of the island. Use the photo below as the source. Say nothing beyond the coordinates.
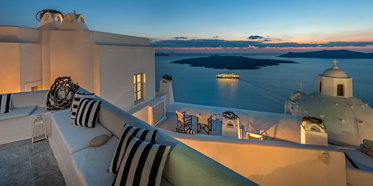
(230, 62)
(161, 54)
(329, 54)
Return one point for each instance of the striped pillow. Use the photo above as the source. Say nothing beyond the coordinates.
(5, 103)
(86, 115)
(142, 163)
(77, 96)
(128, 130)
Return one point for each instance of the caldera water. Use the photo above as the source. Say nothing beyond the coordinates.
(264, 89)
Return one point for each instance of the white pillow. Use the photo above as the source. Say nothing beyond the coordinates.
(87, 113)
(142, 163)
(76, 100)
(5, 103)
(128, 130)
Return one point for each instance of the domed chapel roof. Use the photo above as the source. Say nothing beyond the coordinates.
(334, 72)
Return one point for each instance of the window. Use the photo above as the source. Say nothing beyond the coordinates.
(340, 90)
(35, 88)
(138, 80)
(320, 86)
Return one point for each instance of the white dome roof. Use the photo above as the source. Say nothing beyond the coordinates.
(296, 96)
(347, 120)
(335, 72)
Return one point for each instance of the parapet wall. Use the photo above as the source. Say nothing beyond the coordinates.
(272, 163)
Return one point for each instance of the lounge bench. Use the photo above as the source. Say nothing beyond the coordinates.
(89, 164)
(18, 124)
(75, 137)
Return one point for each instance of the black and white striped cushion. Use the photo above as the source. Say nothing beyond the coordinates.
(86, 115)
(77, 96)
(5, 103)
(142, 163)
(128, 130)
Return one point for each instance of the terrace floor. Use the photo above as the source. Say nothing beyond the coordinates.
(24, 163)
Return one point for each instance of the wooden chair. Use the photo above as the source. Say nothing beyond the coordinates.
(183, 121)
(203, 123)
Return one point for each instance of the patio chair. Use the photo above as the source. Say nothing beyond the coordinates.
(183, 120)
(203, 123)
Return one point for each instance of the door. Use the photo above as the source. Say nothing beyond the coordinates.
(340, 90)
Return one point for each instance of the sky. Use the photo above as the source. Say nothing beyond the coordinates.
(214, 26)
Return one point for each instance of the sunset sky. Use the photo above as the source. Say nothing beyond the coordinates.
(218, 26)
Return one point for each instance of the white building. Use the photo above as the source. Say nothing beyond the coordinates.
(116, 67)
(347, 119)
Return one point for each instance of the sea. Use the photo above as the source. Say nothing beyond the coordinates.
(264, 89)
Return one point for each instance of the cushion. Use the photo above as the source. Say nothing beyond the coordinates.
(186, 131)
(142, 163)
(128, 130)
(99, 140)
(180, 116)
(77, 96)
(5, 103)
(96, 174)
(203, 119)
(75, 137)
(18, 112)
(86, 115)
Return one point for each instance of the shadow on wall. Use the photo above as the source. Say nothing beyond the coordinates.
(272, 126)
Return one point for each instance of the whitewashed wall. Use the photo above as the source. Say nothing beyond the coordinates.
(118, 64)
(10, 73)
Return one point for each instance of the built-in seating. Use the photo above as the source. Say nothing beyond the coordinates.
(81, 164)
(18, 124)
(102, 156)
(18, 112)
(75, 137)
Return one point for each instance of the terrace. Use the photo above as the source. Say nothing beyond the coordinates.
(66, 153)
(277, 160)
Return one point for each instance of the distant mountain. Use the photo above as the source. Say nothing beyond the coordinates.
(329, 54)
(161, 54)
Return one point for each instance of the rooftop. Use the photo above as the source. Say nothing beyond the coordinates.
(277, 160)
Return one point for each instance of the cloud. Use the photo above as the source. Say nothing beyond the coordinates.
(215, 36)
(177, 38)
(198, 43)
(253, 37)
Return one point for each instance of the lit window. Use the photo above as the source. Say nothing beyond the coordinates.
(138, 80)
(35, 88)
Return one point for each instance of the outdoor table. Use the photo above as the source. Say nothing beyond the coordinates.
(217, 112)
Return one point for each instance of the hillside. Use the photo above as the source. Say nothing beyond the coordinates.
(329, 54)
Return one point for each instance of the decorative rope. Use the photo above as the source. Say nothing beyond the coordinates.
(41, 13)
(167, 77)
(312, 119)
(230, 115)
(57, 101)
